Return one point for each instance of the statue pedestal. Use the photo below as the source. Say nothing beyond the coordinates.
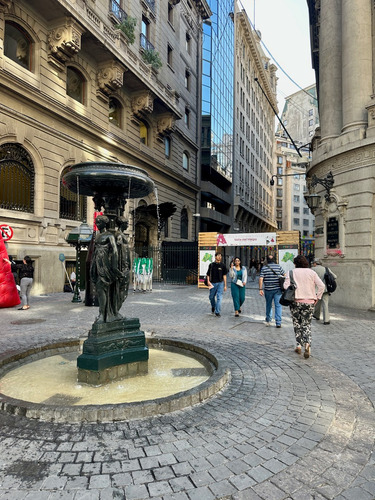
(113, 351)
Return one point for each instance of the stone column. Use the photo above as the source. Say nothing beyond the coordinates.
(356, 62)
(330, 98)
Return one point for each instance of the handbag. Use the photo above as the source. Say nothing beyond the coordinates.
(239, 283)
(288, 296)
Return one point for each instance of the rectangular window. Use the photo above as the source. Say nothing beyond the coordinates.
(280, 160)
(279, 192)
(296, 210)
(296, 187)
(296, 221)
(279, 203)
(280, 170)
(279, 214)
(279, 181)
(311, 112)
(170, 13)
(187, 80)
(305, 222)
(305, 233)
(306, 211)
(187, 118)
(296, 198)
(311, 123)
(170, 56)
(188, 43)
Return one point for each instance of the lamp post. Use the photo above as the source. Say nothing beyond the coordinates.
(313, 199)
(79, 237)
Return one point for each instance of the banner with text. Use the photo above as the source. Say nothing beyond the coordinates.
(246, 239)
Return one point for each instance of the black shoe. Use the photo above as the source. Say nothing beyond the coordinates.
(218, 315)
(278, 326)
(327, 323)
(212, 309)
(239, 310)
(317, 319)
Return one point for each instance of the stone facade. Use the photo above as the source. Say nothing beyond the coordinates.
(343, 46)
(255, 89)
(154, 125)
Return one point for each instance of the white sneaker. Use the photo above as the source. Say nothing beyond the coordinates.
(267, 323)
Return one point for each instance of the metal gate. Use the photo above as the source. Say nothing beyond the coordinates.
(173, 262)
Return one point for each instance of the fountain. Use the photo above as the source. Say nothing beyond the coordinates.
(116, 347)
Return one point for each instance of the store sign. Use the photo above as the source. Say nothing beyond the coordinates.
(6, 232)
(333, 232)
(246, 239)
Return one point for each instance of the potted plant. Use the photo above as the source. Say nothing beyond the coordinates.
(127, 26)
(152, 57)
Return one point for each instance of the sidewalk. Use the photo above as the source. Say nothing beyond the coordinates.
(283, 428)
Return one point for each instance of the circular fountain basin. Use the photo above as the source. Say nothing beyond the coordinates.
(42, 384)
(101, 177)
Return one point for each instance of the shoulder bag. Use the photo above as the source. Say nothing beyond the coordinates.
(288, 296)
(281, 278)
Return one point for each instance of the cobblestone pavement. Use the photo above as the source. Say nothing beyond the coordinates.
(283, 428)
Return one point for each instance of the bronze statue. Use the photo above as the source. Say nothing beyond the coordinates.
(105, 272)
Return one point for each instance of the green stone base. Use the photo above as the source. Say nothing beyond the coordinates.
(111, 374)
(109, 346)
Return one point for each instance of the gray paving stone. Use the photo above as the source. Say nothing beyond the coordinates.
(122, 479)
(159, 488)
(136, 492)
(201, 494)
(100, 482)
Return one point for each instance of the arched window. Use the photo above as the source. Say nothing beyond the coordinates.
(75, 84)
(16, 178)
(143, 133)
(185, 161)
(18, 45)
(184, 224)
(68, 202)
(115, 112)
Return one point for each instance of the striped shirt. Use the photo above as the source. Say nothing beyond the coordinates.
(270, 279)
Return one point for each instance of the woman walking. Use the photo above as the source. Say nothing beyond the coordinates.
(309, 289)
(238, 274)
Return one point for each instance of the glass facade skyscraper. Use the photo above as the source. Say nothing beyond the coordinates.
(217, 116)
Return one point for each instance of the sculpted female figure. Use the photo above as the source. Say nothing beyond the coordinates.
(124, 264)
(105, 273)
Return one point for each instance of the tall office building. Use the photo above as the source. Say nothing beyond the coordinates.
(217, 118)
(255, 98)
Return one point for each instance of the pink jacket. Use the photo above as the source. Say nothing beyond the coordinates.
(306, 281)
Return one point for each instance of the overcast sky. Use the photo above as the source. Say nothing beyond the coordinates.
(284, 25)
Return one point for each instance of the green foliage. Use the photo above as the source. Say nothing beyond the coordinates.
(288, 256)
(128, 27)
(151, 57)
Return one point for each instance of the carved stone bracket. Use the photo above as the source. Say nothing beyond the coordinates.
(5, 4)
(110, 77)
(64, 42)
(165, 125)
(142, 104)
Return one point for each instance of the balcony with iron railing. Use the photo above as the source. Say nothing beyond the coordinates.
(150, 4)
(117, 11)
(145, 43)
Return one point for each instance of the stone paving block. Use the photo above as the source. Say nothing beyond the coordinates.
(88, 495)
(177, 496)
(130, 465)
(54, 483)
(13, 495)
(136, 492)
(181, 484)
(199, 464)
(71, 469)
(142, 477)
(269, 490)
(149, 462)
(163, 473)
(36, 495)
(111, 467)
(222, 488)
(201, 494)
(91, 469)
(64, 495)
(136, 453)
(221, 472)
(274, 465)
(182, 468)
(100, 481)
(159, 488)
(252, 459)
(112, 494)
(201, 479)
(248, 494)
(260, 474)
(242, 481)
(84, 456)
(167, 459)
(121, 479)
(77, 483)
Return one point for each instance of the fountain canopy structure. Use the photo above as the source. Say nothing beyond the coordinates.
(115, 347)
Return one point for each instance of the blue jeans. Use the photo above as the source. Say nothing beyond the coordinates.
(273, 295)
(216, 293)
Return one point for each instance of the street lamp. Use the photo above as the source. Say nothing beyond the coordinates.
(313, 199)
(79, 237)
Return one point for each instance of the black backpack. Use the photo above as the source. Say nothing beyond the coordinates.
(329, 281)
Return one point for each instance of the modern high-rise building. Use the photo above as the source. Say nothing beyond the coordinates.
(254, 105)
(343, 156)
(217, 118)
(99, 80)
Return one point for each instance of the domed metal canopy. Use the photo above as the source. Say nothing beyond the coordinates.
(108, 178)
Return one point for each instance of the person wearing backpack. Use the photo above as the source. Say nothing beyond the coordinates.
(323, 302)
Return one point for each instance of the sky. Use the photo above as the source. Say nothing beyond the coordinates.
(284, 25)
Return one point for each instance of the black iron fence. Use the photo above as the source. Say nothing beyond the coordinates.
(174, 263)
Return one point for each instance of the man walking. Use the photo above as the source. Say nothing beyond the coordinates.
(217, 278)
(323, 302)
(269, 280)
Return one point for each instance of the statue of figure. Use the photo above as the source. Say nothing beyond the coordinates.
(124, 264)
(105, 272)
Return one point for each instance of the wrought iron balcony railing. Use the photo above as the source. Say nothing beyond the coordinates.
(146, 44)
(117, 11)
(151, 4)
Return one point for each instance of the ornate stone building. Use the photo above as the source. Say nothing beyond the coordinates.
(96, 80)
(255, 95)
(342, 38)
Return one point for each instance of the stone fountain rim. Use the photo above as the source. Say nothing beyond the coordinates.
(113, 412)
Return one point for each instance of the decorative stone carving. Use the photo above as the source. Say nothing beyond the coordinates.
(5, 4)
(64, 42)
(165, 125)
(110, 77)
(142, 104)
